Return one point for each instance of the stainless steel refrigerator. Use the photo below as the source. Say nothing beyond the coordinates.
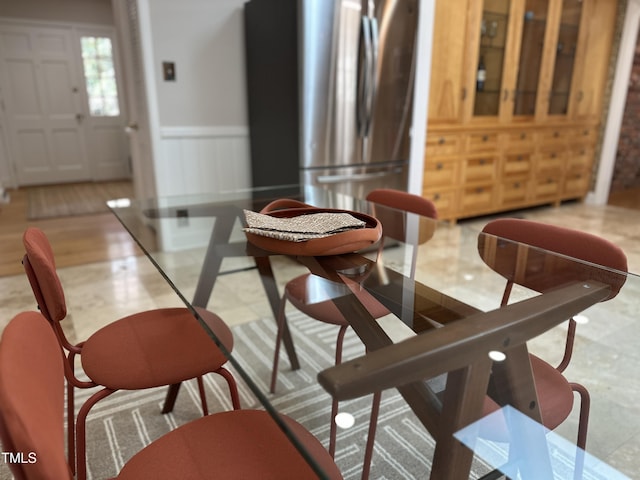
(330, 88)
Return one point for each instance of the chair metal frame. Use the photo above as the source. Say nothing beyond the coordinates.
(76, 427)
(563, 242)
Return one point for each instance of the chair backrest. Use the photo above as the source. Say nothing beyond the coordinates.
(32, 399)
(40, 267)
(394, 226)
(537, 271)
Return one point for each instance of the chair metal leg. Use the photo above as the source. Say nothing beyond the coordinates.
(203, 397)
(334, 403)
(371, 436)
(81, 431)
(339, 342)
(71, 427)
(583, 424)
(233, 387)
(281, 322)
(333, 428)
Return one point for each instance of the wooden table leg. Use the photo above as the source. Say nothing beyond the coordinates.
(271, 289)
(462, 404)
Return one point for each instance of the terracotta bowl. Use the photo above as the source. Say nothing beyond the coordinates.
(336, 244)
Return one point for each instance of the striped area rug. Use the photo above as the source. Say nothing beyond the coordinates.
(55, 201)
(122, 424)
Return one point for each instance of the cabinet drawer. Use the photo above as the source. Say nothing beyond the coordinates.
(479, 168)
(517, 164)
(587, 135)
(439, 173)
(547, 187)
(553, 135)
(482, 142)
(576, 183)
(519, 139)
(475, 199)
(580, 157)
(445, 144)
(514, 192)
(550, 160)
(444, 200)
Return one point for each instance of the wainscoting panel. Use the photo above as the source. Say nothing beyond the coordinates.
(199, 160)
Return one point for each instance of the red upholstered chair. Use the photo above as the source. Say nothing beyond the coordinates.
(537, 271)
(235, 444)
(298, 291)
(148, 349)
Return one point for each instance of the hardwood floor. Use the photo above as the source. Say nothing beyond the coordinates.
(629, 198)
(76, 240)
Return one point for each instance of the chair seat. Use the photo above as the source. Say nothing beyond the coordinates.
(555, 395)
(243, 444)
(132, 353)
(297, 292)
(555, 398)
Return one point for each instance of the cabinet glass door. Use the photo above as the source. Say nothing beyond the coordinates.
(565, 56)
(533, 33)
(493, 39)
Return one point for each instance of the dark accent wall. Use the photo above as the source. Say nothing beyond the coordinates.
(627, 167)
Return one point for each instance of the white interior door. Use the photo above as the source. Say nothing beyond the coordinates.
(102, 99)
(43, 100)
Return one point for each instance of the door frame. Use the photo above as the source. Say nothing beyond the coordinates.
(7, 167)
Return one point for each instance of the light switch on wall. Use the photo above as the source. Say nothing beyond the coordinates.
(169, 71)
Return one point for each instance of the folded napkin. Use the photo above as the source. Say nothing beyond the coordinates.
(301, 228)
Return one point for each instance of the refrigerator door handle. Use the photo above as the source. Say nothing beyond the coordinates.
(373, 77)
(363, 177)
(364, 76)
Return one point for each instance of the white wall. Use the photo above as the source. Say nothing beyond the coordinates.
(202, 138)
(206, 41)
(68, 11)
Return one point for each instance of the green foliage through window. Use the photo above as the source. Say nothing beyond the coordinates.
(100, 77)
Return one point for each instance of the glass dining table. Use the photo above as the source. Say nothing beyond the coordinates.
(444, 352)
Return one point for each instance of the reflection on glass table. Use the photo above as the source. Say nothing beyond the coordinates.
(436, 317)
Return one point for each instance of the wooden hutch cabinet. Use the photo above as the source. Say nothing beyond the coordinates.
(515, 102)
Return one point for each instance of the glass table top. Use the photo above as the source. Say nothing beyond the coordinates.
(439, 287)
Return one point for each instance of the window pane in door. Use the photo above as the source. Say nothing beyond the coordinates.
(100, 79)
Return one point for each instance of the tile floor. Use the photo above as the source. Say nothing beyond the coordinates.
(99, 292)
